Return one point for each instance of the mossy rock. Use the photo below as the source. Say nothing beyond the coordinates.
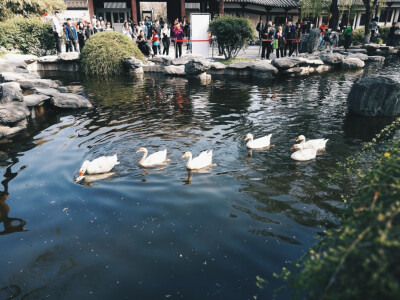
(104, 53)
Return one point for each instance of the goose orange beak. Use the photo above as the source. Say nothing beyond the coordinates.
(246, 138)
(292, 148)
(80, 173)
(298, 139)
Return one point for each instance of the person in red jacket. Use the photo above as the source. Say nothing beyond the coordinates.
(155, 39)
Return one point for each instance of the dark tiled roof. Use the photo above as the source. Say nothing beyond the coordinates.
(271, 3)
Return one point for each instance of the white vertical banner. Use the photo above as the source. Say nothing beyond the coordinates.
(199, 33)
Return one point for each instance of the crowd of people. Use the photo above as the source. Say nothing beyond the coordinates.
(149, 35)
(285, 39)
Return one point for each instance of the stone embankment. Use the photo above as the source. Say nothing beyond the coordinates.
(23, 94)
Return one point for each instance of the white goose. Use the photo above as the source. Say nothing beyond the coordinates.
(155, 159)
(103, 164)
(202, 161)
(259, 143)
(318, 144)
(303, 154)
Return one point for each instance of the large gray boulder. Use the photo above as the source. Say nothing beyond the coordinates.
(333, 59)
(375, 95)
(48, 59)
(11, 92)
(264, 69)
(35, 99)
(47, 91)
(286, 62)
(29, 84)
(379, 59)
(361, 56)
(69, 56)
(196, 66)
(183, 60)
(352, 63)
(217, 66)
(309, 42)
(133, 65)
(27, 58)
(12, 76)
(241, 65)
(11, 113)
(6, 131)
(13, 66)
(70, 101)
(357, 50)
(175, 70)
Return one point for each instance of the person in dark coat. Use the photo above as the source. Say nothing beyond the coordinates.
(289, 35)
(260, 27)
(71, 35)
(267, 34)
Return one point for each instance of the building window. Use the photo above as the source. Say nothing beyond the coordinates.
(386, 12)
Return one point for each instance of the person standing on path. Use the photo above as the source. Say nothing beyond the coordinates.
(71, 35)
(347, 36)
(165, 35)
(57, 30)
(178, 35)
(289, 36)
(279, 38)
(392, 30)
(267, 34)
(259, 28)
(81, 35)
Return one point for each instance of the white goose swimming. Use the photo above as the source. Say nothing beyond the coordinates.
(202, 161)
(103, 164)
(318, 144)
(259, 143)
(155, 159)
(303, 154)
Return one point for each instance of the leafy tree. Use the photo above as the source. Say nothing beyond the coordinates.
(26, 8)
(233, 33)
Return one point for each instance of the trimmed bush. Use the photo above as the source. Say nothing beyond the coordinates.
(233, 33)
(104, 53)
(29, 35)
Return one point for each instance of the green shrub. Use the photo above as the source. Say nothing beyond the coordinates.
(233, 33)
(361, 258)
(104, 53)
(31, 8)
(29, 35)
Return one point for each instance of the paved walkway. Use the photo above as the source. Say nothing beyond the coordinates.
(251, 52)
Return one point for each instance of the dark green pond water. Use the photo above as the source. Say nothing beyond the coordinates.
(160, 233)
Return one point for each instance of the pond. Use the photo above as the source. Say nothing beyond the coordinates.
(162, 232)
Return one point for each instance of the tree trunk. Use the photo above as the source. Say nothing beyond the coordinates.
(368, 16)
(367, 21)
(334, 21)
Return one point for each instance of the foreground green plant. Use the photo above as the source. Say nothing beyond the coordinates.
(360, 259)
(233, 33)
(104, 53)
(28, 35)
(31, 8)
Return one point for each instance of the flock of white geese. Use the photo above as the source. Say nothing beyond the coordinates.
(306, 150)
